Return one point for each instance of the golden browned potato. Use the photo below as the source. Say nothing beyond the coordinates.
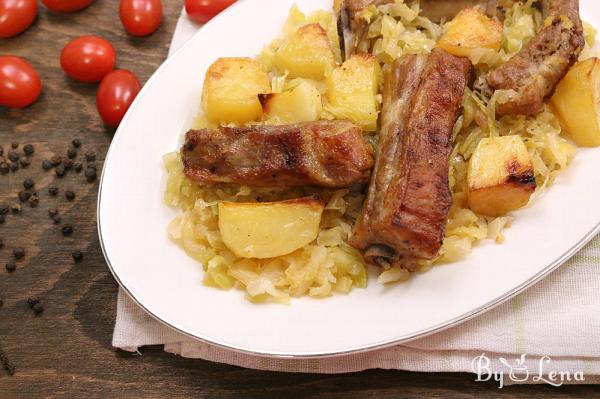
(500, 176)
(577, 102)
(231, 88)
(269, 229)
(469, 32)
(307, 53)
(352, 89)
(301, 104)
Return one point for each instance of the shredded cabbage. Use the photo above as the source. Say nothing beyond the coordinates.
(330, 264)
(397, 29)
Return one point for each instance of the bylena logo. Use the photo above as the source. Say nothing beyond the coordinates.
(519, 372)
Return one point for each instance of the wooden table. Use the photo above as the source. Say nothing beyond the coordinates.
(66, 351)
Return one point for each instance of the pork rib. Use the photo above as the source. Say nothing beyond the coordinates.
(406, 210)
(532, 74)
(326, 154)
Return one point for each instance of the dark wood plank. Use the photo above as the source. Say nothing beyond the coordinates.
(66, 351)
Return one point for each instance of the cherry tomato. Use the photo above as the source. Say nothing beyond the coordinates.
(115, 94)
(20, 84)
(203, 11)
(88, 58)
(141, 17)
(67, 5)
(16, 16)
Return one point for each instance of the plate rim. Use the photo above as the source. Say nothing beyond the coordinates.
(543, 273)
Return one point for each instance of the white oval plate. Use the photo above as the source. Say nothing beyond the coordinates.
(162, 279)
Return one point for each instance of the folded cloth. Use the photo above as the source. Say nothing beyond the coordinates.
(554, 325)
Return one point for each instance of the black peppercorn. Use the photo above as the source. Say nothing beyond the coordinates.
(56, 160)
(67, 230)
(8, 366)
(53, 190)
(4, 209)
(78, 167)
(2, 219)
(10, 266)
(90, 174)
(14, 145)
(38, 309)
(34, 200)
(60, 171)
(4, 167)
(77, 256)
(13, 156)
(28, 149)
(15, 209)
(1, 151)
(1, 243)
(25, 162)
(32, 301)
(72, 153)
(76, 143)
(1, 303)
(90, 156)
(28, 183)
(67, 163)
(24, 195)
(52, 212)
(19, 253)
(47, 164)
(14, 166)
(56, 219)
(70, 195)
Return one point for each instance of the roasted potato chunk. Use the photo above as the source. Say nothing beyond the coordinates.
(352, 90)
(269, 229)
(307, 53)
(577, 102)
(231, 88)
(470, 32)
(500, 176)
(301, 104)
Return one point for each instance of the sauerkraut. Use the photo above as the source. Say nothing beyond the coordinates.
(326, 266)
(330, 264)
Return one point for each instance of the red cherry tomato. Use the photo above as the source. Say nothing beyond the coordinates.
(141, 17)
(88, 58)
(203, 11)
(117, 91)
(16, 16)
(20, 84)
(67, 5)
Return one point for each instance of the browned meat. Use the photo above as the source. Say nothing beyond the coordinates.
(438, 10)
(405, 214)
(325, 153)
(352, 27)
(533, 73)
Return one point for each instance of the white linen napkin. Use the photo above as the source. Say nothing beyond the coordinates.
(558, 318)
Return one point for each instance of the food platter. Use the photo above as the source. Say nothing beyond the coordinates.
(132, 219)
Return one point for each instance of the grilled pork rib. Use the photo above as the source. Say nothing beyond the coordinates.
(352, 27)
(533, 73)
(326, 154)
(405, 214)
